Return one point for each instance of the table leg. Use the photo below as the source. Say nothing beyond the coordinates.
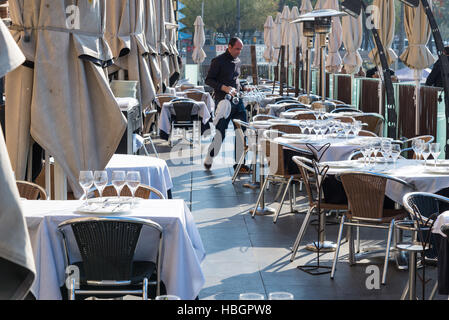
(324, 246)
(254, 184)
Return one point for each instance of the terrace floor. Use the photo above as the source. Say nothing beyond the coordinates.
(253, 255)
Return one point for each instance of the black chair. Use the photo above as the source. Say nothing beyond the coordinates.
(345, 108)
(184, 119)
(284, 100)
(108, 268)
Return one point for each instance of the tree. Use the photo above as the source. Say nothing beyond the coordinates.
(220, 16)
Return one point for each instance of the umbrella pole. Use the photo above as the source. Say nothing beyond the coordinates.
(417, 100)
(277, 65)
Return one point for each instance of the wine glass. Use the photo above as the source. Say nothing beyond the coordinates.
(133, 182)
(316, 128)
(100, 182)
(280, 296)
(416, 146)
(357, 127)
(302, 126)
(251, 296)
(346, 128)
(118, 181)
(310, 124)
(86, 181)
(395, 152)
(386, 149)
(425, 151)
(435, 151)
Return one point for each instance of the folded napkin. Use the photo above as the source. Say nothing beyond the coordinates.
(223, 111)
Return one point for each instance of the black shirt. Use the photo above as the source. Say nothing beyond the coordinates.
(224, 70)
(435, 78)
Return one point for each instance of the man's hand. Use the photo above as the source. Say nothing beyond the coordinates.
(232, 91)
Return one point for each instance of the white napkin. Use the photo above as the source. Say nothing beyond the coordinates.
(223, 110)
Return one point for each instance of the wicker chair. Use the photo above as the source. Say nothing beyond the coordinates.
(305, 116)
(286, 128)
(309, 176)
(345, 108)
(108, 269)
(163, 98)
(195, 95)
(364, 133)
(144, 192)
(407, 144)
(346, 119)
(278, 167)
(374, 121)
(366, 195)
(31, 191)
(263, 117)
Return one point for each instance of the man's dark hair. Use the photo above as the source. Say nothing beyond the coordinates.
(234, 40)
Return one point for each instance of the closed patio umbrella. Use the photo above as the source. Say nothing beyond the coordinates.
(164, 51)
(385, 20)
(151, 37)
(352, 40)
(306, 7)
(333, 59)
(172, 30)
(199, 39)
(268, 34)
(129, 45)
(277, 36)
(293, 34)
(17, 269)
(73, 115)
(417, 56)
(285, 30)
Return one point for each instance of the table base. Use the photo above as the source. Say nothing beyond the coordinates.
(266, 211)
(315, 270)
(326, 246)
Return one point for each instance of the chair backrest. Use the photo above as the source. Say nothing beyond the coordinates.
(161, 99)
(195, 95)
(365, 133)
(307, 171)
(143, 192)
(297, 109)
(338, 102)
(423, 207)
(286, 128)
(183, 111)
(283, 100)
(346, 119)
(305, 116)
(187, 86)
(31, 191)
(341, 108)
(262, 117)
(407, 144)
(366, 194)
(374, 121)
(107, 245)
(299, 106)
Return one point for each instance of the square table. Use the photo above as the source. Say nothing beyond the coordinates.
(182, 252)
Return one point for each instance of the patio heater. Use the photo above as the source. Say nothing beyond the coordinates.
(354, 8)
(443, 58)
(309, 33)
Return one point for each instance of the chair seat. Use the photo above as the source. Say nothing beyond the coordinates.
(140, 270)
(332, 206)
(389, 214)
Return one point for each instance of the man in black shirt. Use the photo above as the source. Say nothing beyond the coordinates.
(223, 77)
(435, 78)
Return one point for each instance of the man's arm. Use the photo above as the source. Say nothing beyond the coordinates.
(433, 76)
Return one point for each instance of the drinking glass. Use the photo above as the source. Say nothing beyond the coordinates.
(168, 297)
(365, 150)
(435, 151)
(310, 124)
(302, 126)
(100, 182)
(346, 129)
(425, 152)
(280, 296)
(316, 113)
(316, 128)
(86, 181)
(357, 127)
(386, 149)
(118, 181)
(416, 146)
(133, 182)
(251, 296)
(395, 152)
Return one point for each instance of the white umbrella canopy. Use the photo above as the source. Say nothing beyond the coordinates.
(199, 39)
(268, 35)
(352, 39)
(333, 58)
(73, 114)
(16, 256)
(151, 37)
(277, 36)
(293, 35)
(385, 20)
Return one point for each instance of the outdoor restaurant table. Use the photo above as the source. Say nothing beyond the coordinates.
(207, 99)
(200, 108)
(424, 179)
(153, 171)
(182, 252)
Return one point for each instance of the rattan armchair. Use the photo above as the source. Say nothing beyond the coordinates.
(108, 268)
(366, 195)
(407, 144)
(305, 116)
(144, 192)
(244, 133)
(263, 117)
(374, 121)
(309, 175)
(286, 128)
(31, 191)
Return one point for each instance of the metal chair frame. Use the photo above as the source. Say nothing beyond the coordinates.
(105, 283)
(194, 124)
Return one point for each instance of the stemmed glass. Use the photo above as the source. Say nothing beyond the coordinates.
(316, 128)
(416, 146)
(386, 149)
(86, 181)
(118, 181)
(357, 127)
(395, 152)
(100, 181)
(346, 129)
(133, 182)
(310, 124)
(425, 152)
(435, 151)
(366, 151)
(302, 126)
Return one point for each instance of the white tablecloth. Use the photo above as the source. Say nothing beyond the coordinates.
(411, 171)
(153, 171)
(200, 108)
(182, 253)
(443, 219)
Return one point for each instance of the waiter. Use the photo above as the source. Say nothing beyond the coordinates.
(435, 78)
(223, 77)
